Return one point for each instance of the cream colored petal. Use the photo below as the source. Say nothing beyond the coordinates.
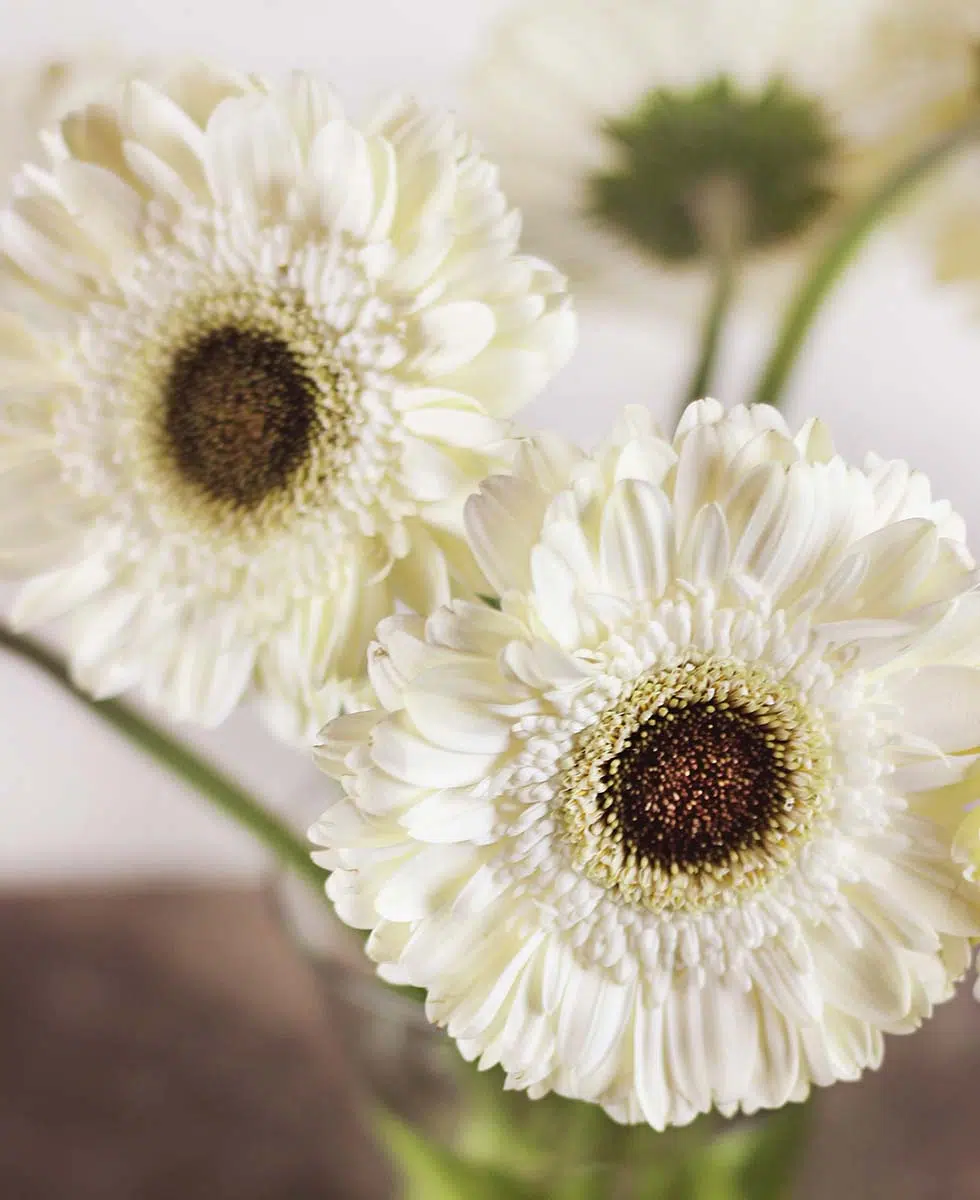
(410, 758)
(636, 541)
(421, 579)
(311, 104)
(105, 207)
(504, 380)
(55, 593)
(152, 119)
(941, 703)
(501, 529)
(94, 134)
(26, 358)
(343, 171)
(452, 336)
(252, 157)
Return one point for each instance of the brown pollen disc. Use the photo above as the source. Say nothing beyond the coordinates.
(693, 788)
(699, 783)
(239, 414)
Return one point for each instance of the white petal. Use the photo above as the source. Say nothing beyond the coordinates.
(866, 981)
(731, 1039)
(705, 555)
(108, 209)
(40, 259)
(454, 426)
(686, 1051)
(421, 578)
(450, 722)
(900, 556)
(343, 735)
(310, 104)
(752, 510)
(98, 629)
(54, 593)
(340, 163)
(252, 157)
(547, 460)
(554, 590)
(595, 1057)
(696, 475)
(942, 704)
(778, 1067)
(485, 995)
(554, 336)
(635, 540)
(776, 561)
(411, 892)
(501, 527)
(153, 119)
(450, 816)
(384, 175)
(452, 335)
(25, 359)
(430, 474)
(503, 379)
(649, 1060)
(411, 758)
(698, 413)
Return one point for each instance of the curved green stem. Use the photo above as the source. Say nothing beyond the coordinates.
(221, 790)
(719, 303)
(841, 249)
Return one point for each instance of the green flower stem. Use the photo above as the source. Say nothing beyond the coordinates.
(223, 792)
(837, 254)
(719, 304)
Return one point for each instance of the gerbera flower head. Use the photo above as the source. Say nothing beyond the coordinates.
(275, 351)
(646, 139)
(665, 832)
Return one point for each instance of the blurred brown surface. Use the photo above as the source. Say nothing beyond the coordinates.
(171, 1044)
(168, 1046)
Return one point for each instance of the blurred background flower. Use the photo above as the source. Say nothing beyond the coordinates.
(918, 80)
(649, 142)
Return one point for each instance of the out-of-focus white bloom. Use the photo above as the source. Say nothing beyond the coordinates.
(663, 833)
(273, 352)
(641, 137)
(920, 78)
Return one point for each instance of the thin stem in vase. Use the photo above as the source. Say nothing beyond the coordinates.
(221, 790)
(838, 253)
(719, 213)
(719, 303)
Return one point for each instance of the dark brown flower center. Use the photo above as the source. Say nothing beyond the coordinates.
(240, 415)
(694, 787)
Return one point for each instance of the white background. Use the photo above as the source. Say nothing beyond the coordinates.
(894, 366)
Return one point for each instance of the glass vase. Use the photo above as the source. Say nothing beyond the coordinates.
(455, 1133)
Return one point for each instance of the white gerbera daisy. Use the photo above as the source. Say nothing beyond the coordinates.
(654, 835)
(276, 354)
(645, 138)
(919, 79)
